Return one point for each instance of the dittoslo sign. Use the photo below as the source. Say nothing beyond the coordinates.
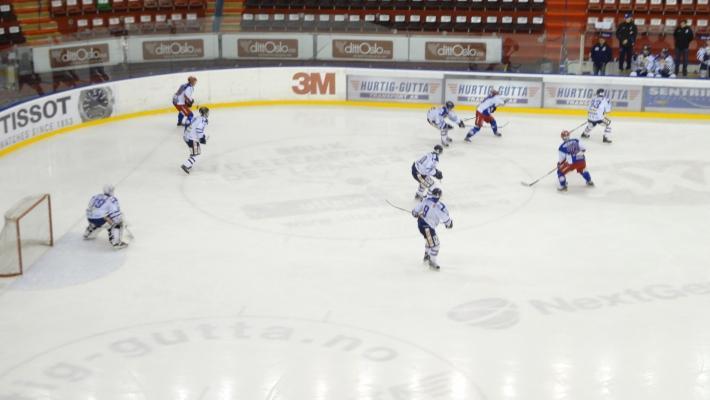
(79, 55)
(173, 49)
(267, 48)
(455, 51)
(363, 49)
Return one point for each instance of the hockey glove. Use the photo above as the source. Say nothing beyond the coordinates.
(449, 225)
(438, 175)
(462, 124)
(203, 140)
(415, 214)
(189, 102)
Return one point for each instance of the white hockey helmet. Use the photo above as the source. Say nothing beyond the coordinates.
(108, 190)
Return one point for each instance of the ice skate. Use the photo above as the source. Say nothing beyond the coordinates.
(186, 169)
(590, 183)
(426, 258)
(562, 189)
(606, 140)
(585, 135)
(119, 246)
(433, 265)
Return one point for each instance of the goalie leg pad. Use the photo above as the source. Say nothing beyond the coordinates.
(115, 234)
(93, 228)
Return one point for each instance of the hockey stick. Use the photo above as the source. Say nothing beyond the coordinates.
(583, 123)
(397, 207)
(538, 179)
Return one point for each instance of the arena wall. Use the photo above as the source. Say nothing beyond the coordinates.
(59, 113)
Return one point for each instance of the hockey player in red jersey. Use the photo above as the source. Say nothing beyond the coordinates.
(571, 158)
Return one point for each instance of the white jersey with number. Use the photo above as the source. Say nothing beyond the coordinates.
(438, 115)
(196, 130)
(433, 212)
(598, 108)
(489, 104)
(428, 164)
(664, 65)
(104, 206)
(185, 91)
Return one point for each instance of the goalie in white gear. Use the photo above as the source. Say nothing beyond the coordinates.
(424, 170)
(194, 136)
(429, 214)
(437, 117)
(598, 108)
(103, 210)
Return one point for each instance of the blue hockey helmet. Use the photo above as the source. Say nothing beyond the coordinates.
(449, 105)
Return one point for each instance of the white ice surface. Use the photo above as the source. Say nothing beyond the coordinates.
(277, 271)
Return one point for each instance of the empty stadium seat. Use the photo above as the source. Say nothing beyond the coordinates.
(134, 5)
(6, 13)
(537, 5)
(309, 22)
(4, 37)
(416, 4)
(165, 4)
(196, 4)
(384, 21)
(476, 23)
(671, 7)
(523, 5)
(702, 7)
(506, 23)
(261, 22)
(431, 23)
(371, 4)
(192, 23)
(592, 23)
(150, 4)
(461, 24)
(400, 4)
(655, 26)
(370, 23)
(594, 5)
(447, 4)
(115, 27)
(325, 4)
(73, 7)
(247, 23)
(293, 22)
(354, 23)
(522, 24)
(625, 5)
(687, 6)
(15, 34)
(278, 22)
(538, 24)
(670, 25)
(491, 24)
(492, 5)
(57, 7)
(119, 5)
(641, 5)
(641, 25)
(415, 22)
(655, 6)
(324, 22)
(446, 23)
(162, 25)
(339, 23)
(609, 5)
(701, 26)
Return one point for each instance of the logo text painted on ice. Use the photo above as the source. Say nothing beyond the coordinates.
(314, 83)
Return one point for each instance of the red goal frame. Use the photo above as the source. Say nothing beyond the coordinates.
(18, 232)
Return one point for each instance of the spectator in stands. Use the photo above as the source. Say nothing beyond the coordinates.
(600, 55)
(97, 74)
(27, 75)
(67, 77)
(682, 35)
(704, 59)
(626, 33)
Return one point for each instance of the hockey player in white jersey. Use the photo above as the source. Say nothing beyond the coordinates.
(437, 117)
(424, 170)
(104, 210)
(644, 63)
(484, 113)
(665, 66)
(194, 136)
(596, 115)
(429, 214)
(703, 56)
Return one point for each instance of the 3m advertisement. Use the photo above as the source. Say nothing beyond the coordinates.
(685, 99)
(77, 55)
(406, 90)
(455, 49)
(577, 95)
(172, 48)
(472, 90)
(267, 46)
(362, 48)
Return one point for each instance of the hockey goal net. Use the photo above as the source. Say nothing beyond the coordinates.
(26, 234)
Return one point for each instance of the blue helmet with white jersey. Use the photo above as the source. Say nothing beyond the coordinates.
(449, 105)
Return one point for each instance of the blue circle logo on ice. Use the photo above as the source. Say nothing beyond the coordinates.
(673, 182)
(488, 313)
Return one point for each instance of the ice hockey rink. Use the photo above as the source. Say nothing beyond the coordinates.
(277, 271)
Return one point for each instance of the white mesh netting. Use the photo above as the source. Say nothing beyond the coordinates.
(32, 215)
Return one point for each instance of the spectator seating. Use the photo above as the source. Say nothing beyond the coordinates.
(429, 7)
